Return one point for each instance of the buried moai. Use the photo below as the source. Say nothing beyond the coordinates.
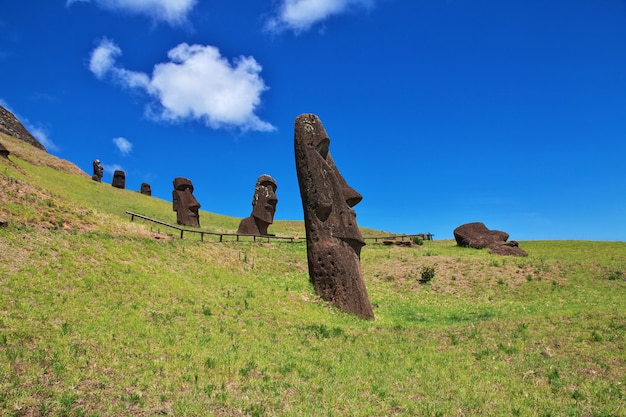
(185, 204)
(98, 171)
(476, 235)
(119, 179)
(263, 208)
(145, 189)
(333, 238)
(4, 151)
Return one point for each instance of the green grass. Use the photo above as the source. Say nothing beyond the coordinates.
(103, 317)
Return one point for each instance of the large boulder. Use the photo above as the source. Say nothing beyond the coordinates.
(477, 235)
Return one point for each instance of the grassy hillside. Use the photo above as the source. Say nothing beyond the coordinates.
(100, 316)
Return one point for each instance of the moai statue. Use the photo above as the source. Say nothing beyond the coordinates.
(4, 151)
(98, 171)
(119, 179)
(185, 204)
(145, 189)
(333, 238)
(263, 208)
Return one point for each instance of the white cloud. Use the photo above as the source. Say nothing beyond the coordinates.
(102, 58)
(174, 12)
(301, 15)
(112, 168)
(41, 135)
(124, 145)
(197, 83)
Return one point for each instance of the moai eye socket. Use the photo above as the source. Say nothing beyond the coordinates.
(322, 147)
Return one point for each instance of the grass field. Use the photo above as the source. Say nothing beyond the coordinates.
(100, 316)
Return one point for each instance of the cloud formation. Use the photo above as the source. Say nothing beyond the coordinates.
(301, 15)
(123, 144)
(174, 12)
(197, 83)
(112, 168)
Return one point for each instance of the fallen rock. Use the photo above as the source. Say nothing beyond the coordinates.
(477, 235)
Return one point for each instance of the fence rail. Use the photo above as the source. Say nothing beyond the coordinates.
(182, 230)
(424, 236)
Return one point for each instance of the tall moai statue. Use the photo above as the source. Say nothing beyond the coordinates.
(185, 204)
(333, 238)
(119, 179)
(98, 171)
(263, 208)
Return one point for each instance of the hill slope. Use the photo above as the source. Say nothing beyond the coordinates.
(10, 125)
(100, 316)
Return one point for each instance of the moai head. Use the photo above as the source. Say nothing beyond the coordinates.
(4, 151)
(145, 189)
(263, 208)
(119, 179)
(333, 238)
(98, 171)
(185, 204)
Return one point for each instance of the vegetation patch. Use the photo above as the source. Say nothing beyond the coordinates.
(107, 317)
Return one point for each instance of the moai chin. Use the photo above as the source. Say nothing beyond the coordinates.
(264, 204)
(185, 204)
(145, 189)
(98, 171)
(119, 179)
(333, 238)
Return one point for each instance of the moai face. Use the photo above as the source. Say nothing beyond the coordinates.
(145, 189)
(98, 171)
(264, 201)
(333, 238)
(119, 179)
(185, 204)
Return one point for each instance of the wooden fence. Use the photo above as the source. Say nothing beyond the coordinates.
(182, 230)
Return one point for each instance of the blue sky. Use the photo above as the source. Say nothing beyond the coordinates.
(440, 112)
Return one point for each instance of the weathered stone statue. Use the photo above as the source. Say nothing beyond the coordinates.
(333, 238)
(98, 171)
(4, 151)
(263, 208)
(476, 235)
(185, 204)
(145, 189)
(119, 179)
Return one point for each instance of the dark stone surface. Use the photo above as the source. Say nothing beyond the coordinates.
(10, 125)
(98, 171)
(333, 238)
(477, 235)
(263, 208)
(4, 151)
(119, 179)
(185, 204)
(145, 189)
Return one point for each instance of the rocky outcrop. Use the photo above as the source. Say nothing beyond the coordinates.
(477, 235)
(10, 125)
